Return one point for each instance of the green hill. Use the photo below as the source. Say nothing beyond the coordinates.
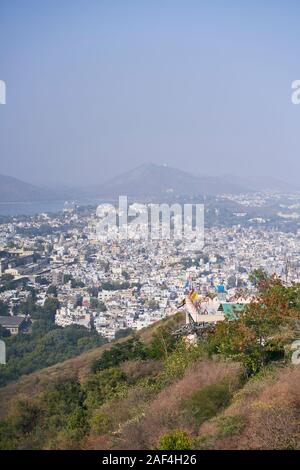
(235, 389)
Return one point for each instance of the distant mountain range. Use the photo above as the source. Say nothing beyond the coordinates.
(146, 180)
(263, 183)
(154, 180)
(15, 190)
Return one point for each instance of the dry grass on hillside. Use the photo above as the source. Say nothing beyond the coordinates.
(264, 415)
(154, 416)
(31, 385)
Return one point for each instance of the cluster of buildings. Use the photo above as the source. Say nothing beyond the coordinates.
(110, 285)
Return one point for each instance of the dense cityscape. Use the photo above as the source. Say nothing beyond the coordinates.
(122, 285)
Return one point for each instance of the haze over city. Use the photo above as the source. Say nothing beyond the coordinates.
(96, 88)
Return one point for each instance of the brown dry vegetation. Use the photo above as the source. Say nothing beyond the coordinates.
(136, 370)
(31, 385)
(268, 411)
(205, 396)
(263, 414)
(143, 417)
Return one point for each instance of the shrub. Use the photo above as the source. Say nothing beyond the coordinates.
(163, 342)
(181, 358)
(138, 370)
(103, 386)
(204, 442)
(176, 440)
(100, 422)
(231, 425)
(26, 416)
(164, 412)
(205, 403)
(125, 409)
(63, 399)
(122, 333)
(8, 437)
(131, 349)
(66, 439)
(77, 420)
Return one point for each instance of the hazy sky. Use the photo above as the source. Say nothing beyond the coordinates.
(96, 87)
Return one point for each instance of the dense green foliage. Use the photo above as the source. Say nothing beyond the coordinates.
(47, 312)
(62, 416)
(264, 330)
(121, 352)
(122, 333)
(59, 415)
(163, 342)
(46, 345)
(4, 333)
(3, 309)
(104, 385)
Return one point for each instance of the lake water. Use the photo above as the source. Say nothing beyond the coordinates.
(33, 208)
(30, 208)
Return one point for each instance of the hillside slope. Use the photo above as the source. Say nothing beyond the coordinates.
(28, 386)
(213, 409)
(154, 390)
(15, 190)
(150, 179)
(264, 414)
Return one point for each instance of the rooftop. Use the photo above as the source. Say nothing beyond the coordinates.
(11, 321)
